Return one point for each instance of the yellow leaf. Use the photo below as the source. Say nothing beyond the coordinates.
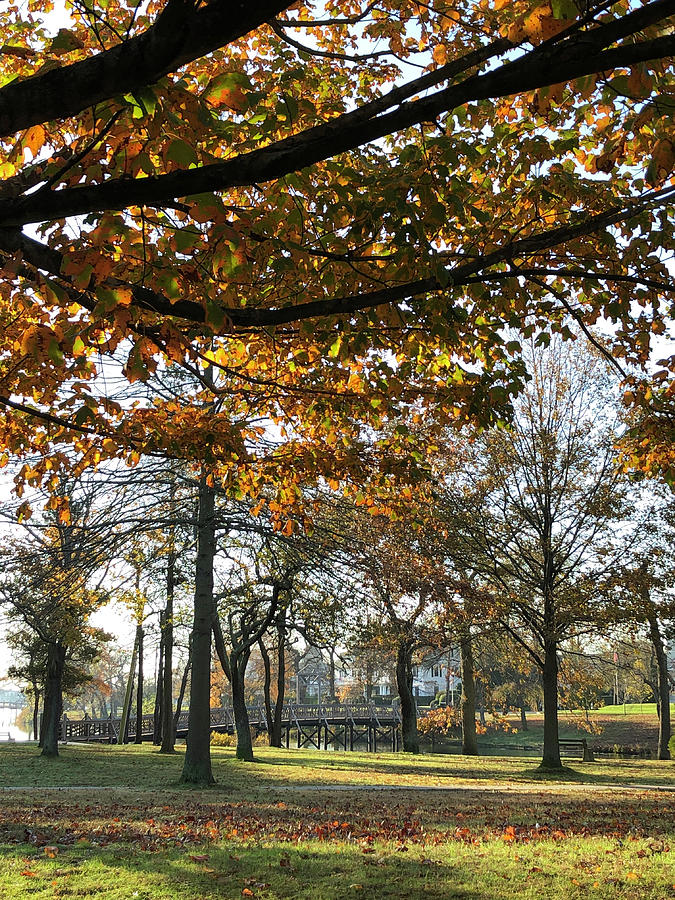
(51, 851)
(440, 54)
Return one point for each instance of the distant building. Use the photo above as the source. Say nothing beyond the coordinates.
(436, 673)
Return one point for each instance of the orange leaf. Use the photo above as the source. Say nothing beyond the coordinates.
(34, 138)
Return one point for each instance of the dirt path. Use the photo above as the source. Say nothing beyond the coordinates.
(468, 787)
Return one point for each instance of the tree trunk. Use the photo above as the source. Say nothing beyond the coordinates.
(549, 676)
(124, 722)
(138, 739)
(181, 691)
(36, 712)
(197, 765)
(331, 673)
(168, 729)
(53, 699)
(267, 688)
(275, 737)
(404, 682)
(241, 721)
(663, 751)
(523, 719)
(468, 701)
(158, 710)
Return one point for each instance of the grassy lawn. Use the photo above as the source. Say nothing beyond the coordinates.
(631, 709)
(636, 728)
(142, 766)
(140, 836)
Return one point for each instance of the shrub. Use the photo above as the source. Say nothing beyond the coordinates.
(222, 739)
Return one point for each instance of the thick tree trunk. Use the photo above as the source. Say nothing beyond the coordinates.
(404, 683)
(197, 765)
(663, 686)
(168, 729)
(523, 719)
(468, 701)
(549, 677)
(138, 738)
(53, 699)
(237, 672)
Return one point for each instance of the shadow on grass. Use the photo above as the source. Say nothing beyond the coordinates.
(313, 872)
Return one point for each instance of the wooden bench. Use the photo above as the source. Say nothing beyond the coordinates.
(579, 745)
(5, 736)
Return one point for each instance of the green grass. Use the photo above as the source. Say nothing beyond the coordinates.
(142, 766)
(631, 709)
(636, 730)
(509, 833)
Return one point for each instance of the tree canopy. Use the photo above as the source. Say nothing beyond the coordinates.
(345, 209)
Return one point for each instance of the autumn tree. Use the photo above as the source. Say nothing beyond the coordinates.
(398, 574)
(645, 600)
(48, 583)
(33, 664)
(267, 189)
(542, 512)
(174, 172)
(513, 677)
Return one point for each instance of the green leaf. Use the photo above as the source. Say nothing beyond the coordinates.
(181, 153)
(54, 352)
(564, 9)
(84, 414)
(64, 42)
(107, 300)
(228, 90)
(215, 315)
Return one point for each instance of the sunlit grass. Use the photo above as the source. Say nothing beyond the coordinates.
(277, 828)
(132, 766)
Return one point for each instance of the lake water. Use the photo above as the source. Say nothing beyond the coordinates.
(8, 724)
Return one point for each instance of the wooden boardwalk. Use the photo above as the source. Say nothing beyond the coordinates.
(340, 726)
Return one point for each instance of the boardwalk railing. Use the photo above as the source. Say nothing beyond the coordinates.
(341, 721)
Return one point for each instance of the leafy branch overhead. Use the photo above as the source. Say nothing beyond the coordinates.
(264, 189)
